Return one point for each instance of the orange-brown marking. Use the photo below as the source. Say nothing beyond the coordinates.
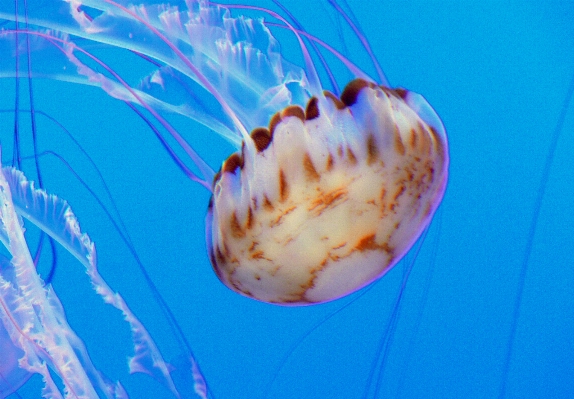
(338, 103)
(261, 137)
(267, 204)
(352, 90)
(250, 218)
(253, 245)
(279, 219)
(425, 140)
(351, 157)
(235, 227)
(293, 110)
(439, 146)
(330, 162)
(402, 93)
(399, 146)
(367, 243)
(328, 200)
(312, 109)
(310, 171)
(372, 150)
(400, 191)
(388, 249)
(239, 288)
(413, 139)
(383, 193)
(275, 119)
(232, 163)
(221, 261)
(283, 186)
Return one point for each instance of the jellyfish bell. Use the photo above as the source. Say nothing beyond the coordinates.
(331, 198)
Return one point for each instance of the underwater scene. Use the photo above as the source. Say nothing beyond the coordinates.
(127, 117)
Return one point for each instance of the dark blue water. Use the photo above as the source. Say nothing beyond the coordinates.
(498, 76)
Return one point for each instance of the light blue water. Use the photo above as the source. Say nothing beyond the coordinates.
(497, 75)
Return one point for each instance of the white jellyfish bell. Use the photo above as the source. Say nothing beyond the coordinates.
(329, 198)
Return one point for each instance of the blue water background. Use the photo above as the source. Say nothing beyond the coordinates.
(497, 74)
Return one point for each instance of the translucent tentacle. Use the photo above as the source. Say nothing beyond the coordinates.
(42, 332)
(354, 69)
(314, 81)
(237, 56)
(363, 39)
(163, 89)
(26, 324)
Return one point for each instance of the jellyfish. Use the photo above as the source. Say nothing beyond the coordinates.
(367, 133)
(171, 91)
(295, 216)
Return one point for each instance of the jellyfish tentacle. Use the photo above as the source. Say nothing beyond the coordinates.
(300, 29)
(363, 39)
(314, 81)
(12, 377)
(119, 226)
(55, 217)
(51, 62)
(22, 322)
(206, 171)
(199, 75)
(33, 126)
(354, 69)
(530, 237)
(121, 90)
